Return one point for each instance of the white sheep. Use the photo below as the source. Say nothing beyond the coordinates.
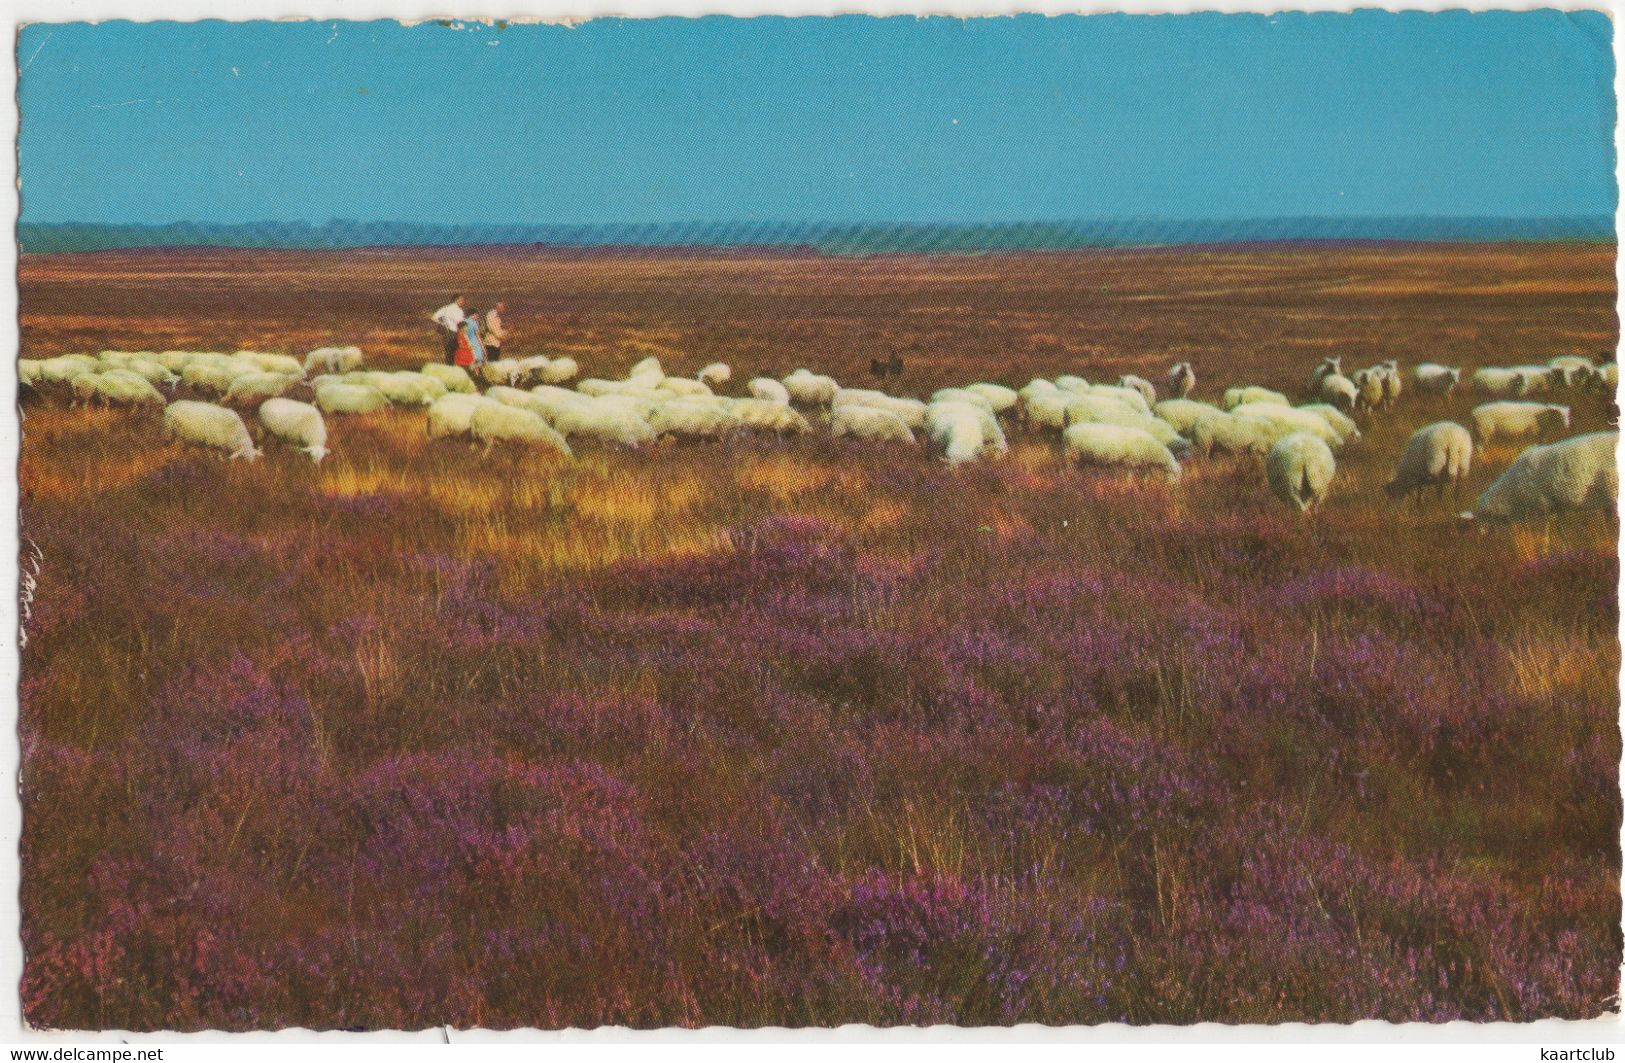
(1289, 420)
(1118, 446)
(1515, 420)
(339, 397)
(869, 424)
(64, 367)
(1300, 468)
(540, 405)
(1571, 361)
(560, 370)
(648, 372)
(764, 415)
(960, 395)
(1227, 433)
(1181, 380)
(1500, 382)
(912, 411)
(1393, 385)
(502, 371)
(272, 363)
(714, 375)
(151, 372)
(1046, 411)
(1237, 396)
(1368, 384)
(116, 387)
(1095, 410)
(29, 374)
(810, 389)
(596, 386)
(533, 367)
(999, 397)
(1539, 379)
(214, 377)
(768, 390)
(296, 423)
(694, 418)
(1575, 474)
(451, 414)
(206, 425)
(1140, 384)
(1437, 455)
(1435, 379)
(333, 359)
(495, 422)
(607, 420)
(1331, 366)
(956, 428)
(1073, 383)
(1182, 414)
(1341, 422)
(454, 378)
(256, 387)
(1339, 391)
(405, 387)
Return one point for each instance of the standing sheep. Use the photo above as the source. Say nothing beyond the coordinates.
(1339, 391)
(204, 424)
(1300, 469)
(714, 375)
(1369, 388)
(1576, 474)
(1434, 379)
(1392, 385)
(869, 424)
(1327, 367)
(296, 423)
(451, 414)
(999, 397)
(1181, 380)
(956, 428)
(340, 397)
(1140, 384)
(494, 422)
(1500, 383)
(768, 390)
(1515, 420)
(1437, 455)
(1120, 447)
(559, 370)
(810, 389)
(333, 360)
(454, 378)
(1234, 397)
(1183, 414)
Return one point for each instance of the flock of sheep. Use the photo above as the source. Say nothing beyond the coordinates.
(1122, 425)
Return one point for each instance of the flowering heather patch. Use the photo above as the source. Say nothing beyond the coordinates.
(795, 732)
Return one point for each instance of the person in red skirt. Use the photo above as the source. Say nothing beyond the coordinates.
(470, 351)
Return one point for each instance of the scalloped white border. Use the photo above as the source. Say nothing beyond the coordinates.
(1511, 1041)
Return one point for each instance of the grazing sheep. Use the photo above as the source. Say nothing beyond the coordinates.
(333, 359)
(993, 440)
(1140, 384)
(596, 386)
(1227, 433)
(647, 371)
(296, 423)
(768, 390)
(869, 424)
(607, 420)
(1127, 396)
(407, 388)
(1607, 378)
(451, 414)
(1182, 414)
(1500, 382)
(1181, 380)
(1327, 367)
(1515, 420)
(1341, 422)
(1434, 379)
(116, 387)
(1300, 469)
(1234, 397)
(957, 429)
(810, 389)
(501, 371)
(1437, 455)
(1119, 447)
(1575, 474)
(682, 386)
(694, 418)
(64, 367)
(533, 368)
(151, 372)
(272, 363)
(1047, 411)
(454, 378)
(214, 377)
(1339, 391)
(1290, 420)
(714, 375)
(256, 387)
(1369, 388)
(1073, 383)
(494, 422)
(340, 397)
(206, 425)
(912, 411)
(524, 400)
(1571, 361)
(999, 397)
(28, 372)
(1539, 379)
(764, 415)
(1082, 411)
(559, 370)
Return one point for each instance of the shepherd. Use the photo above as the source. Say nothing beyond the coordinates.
(450, 320)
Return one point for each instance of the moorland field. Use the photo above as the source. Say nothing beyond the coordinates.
(810, 731)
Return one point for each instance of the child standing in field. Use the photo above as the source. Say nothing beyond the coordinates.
(470, 351)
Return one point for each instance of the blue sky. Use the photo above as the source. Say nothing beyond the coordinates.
(852, 119)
